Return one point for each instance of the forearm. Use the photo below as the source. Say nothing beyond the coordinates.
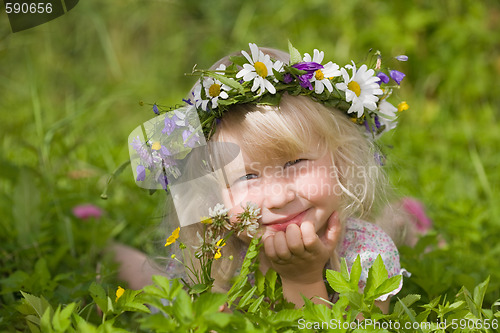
(293, 291)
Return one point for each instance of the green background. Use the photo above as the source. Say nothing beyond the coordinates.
(70, 92)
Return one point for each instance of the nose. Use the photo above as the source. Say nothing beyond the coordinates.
(277, 193)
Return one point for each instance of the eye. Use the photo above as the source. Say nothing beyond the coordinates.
(290, 163)
(247, 177)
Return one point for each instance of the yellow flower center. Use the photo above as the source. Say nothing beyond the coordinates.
(261, 69)
(214, 90)
(156, 146)
(319, 75)
(403, 106)
(354, 87)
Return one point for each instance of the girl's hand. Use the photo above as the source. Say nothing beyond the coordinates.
(299, 255)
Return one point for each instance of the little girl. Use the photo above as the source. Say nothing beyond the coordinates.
(293, 135)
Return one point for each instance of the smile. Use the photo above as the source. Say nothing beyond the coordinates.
(281, 224)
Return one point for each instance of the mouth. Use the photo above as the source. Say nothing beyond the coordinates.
(281, 224)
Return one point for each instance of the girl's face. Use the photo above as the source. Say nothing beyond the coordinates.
(304, 188)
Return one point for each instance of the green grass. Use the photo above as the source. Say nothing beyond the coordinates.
(70, 93)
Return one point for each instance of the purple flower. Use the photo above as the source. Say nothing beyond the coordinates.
(368, 127)
(380, 159)
(375, 128)
(164, 152)
(155, 109)
(402, 57)
(187, 101)
(163, 181)
(189, 139)
(86, 211)
(141, 173)
(309, 67)
(287, 78)
(169, 125)
(305, 82)
(143, 152)
(397, 76)
(383, 77)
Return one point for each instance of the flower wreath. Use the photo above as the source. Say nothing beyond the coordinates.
(158, 147)
(360, 92)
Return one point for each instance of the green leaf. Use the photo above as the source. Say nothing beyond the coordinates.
(355, 300)
(34, 328)
(285, 315)
(159, 323)
(409, 313)
(376, 275)
(236, 289)
(99, 296)
(198, 288)
(386, 287)
(39, 304)
(271, 278)
(408, 300)
(260, 281)
(316, 312)
(344, 270)
(208, 303)
(255, 305)
(45, 322)
(470, 303)
(295, 56)
(183, 308)
(61, 319)
(246, 298)
(355, 273)
(130, 302)
(239, 60)
(278, 75)
(479, 292)
(228, 81)
(219, 318)
(168, 288)
(337, 282)
(270, 99)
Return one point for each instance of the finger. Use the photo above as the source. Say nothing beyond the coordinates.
(309, 237)
(281, 247)
(294, 239)
(332, 233)
(269, 250)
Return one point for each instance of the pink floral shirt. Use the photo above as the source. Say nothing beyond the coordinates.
(368, 241)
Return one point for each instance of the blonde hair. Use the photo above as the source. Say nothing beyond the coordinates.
(293, 127)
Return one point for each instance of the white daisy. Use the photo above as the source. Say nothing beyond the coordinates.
(260, 67)
(360, 89)
(387, 115)
(321, 77)
(214, 89)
